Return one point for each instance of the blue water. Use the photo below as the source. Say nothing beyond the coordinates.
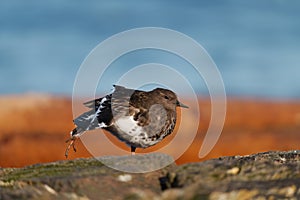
(255, 44)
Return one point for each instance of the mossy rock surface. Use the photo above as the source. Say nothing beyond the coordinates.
(270, 175)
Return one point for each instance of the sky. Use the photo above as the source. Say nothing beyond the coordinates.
(254, 44)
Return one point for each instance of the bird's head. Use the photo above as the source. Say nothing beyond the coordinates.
(167, 98)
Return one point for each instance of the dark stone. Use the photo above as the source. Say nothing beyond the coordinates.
(270, 175)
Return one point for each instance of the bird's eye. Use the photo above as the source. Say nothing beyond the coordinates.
(166, 97)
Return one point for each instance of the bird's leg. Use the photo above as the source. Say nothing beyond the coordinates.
(132, 150)
(72, 143)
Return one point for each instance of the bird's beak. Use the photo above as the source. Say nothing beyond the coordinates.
(181, 105)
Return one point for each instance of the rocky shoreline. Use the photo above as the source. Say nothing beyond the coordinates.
(269, 175)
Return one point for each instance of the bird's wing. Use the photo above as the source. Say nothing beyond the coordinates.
(120, 92)
(154, 121)
(120, 101)
(104, 109)
(93, 103)
(99, 116)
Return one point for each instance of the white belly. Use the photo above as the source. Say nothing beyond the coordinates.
(130, 132)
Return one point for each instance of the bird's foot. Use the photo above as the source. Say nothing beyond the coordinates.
(72, 144)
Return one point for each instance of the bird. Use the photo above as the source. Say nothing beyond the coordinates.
(139, 118)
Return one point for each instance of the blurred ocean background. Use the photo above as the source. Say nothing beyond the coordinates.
(255, 44)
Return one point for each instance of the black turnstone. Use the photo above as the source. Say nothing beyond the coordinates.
(138, 118)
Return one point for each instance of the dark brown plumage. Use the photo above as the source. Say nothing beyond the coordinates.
(138, 118)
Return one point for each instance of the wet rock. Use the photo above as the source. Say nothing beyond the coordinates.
(75, 179)
(270, 175)
(259, 176)
(140, 163)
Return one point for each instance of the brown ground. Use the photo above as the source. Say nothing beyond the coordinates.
(33, 129)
